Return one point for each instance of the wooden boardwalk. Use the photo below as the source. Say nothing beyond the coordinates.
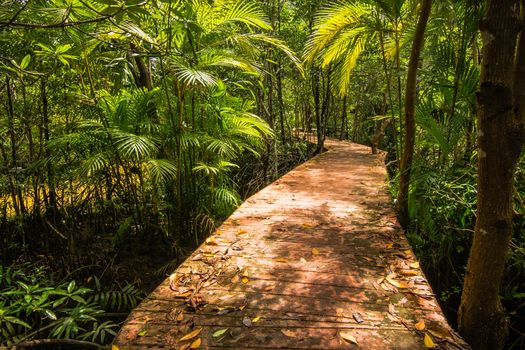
(316, 260)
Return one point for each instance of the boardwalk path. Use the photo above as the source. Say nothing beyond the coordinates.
(316, 260)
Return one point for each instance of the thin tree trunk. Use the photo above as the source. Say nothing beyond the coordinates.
(410, 104)
(500, 116)
(343, 119)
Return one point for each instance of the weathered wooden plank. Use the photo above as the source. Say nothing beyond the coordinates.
(316, 260)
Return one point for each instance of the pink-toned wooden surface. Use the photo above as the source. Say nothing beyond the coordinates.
(315, 260)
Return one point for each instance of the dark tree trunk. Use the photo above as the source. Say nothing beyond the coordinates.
(343, 120)
(500, 117)
(410, 104)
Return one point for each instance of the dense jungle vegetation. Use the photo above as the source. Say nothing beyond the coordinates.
(130, 129)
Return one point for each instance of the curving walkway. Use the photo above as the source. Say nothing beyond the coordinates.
(315, 260)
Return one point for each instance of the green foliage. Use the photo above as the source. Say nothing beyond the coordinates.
(32, 305)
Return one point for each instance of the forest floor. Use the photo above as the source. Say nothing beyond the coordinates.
(316, 260)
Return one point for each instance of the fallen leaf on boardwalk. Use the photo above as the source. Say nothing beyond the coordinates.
(389, 245)
(211, 241)
(196, 343)
(303, 260)
(269, 288)
(114, 347)
(185, 346)
(397, 284)
(281, 260)
(429, 343)
(415, 265)
(143, 332)
(208, 255)
(218, 333)
(440, 332)
(180, 316)
(367, 258)
(409, 272)
(307, 226)
(420, 325)
(183, 295)
(191, 334)
(242, 231)
(256, 319)
(247, 322)
(235, 279)
(245, 280)
(242, 307)
(391, 309)
(288, 333)
(357, 317)
(348, 337)
(315, 251)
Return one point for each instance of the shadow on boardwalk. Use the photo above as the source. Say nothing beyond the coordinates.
(316, 260)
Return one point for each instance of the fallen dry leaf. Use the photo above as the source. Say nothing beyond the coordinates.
(392, 309)
(397, 284)
(346, 335)
(235, 279)
(315, 251)
(306, 226)
(256, 319)
(440, 332)
(268, 288)
(288, 333)
(247, 322)
(196, 343)
(357, 317)
(429, 343)
(303, 260)
(211, 241)
(180, 316)
(184, 346)
(420, 325)
(242, 231)
(191, 334)
(281, 260)
(245, 280)
(114, 347)
(415, 265)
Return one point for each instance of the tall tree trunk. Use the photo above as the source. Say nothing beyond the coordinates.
(500, 133)
(410, 104)
(50, 173)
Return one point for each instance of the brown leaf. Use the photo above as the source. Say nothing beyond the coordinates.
(409, 272)
(191, 334)
(420, 325)
(235, 279)
(269, 288)
(438, 331)
(357, 317)
(288, 333)
(346, 335)
(392, 309)
(397, 284)
(315, 251)
(180, 316)
(184, 346)
(242, 231)
(281, 260)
